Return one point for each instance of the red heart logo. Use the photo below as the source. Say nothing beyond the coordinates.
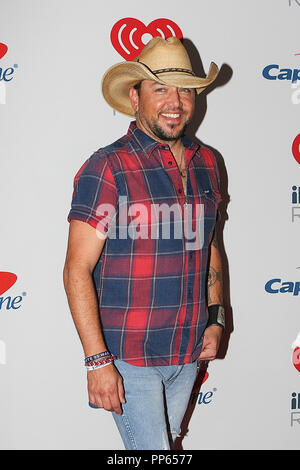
(129, 35)
(296, 358)
(6, 281)
(205, 378)
(3, 50)
(296, 148)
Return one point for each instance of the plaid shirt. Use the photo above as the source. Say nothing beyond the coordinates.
(151, 284)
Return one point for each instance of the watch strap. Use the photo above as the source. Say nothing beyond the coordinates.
(216, 315)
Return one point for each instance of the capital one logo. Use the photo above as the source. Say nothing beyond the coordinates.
(7, 280)
(6, 74)
(129, 35)
(276, 285)
(274, 72)
(202, 398)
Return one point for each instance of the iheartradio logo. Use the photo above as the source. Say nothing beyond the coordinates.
(129, 35)
(296, 352)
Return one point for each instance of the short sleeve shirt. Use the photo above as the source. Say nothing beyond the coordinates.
(151, 276)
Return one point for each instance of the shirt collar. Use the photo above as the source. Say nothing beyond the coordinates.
(147, 144)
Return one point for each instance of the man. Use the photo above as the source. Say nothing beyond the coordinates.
(138, 288)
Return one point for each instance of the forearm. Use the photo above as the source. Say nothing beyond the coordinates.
(83, 304)
(214, 282)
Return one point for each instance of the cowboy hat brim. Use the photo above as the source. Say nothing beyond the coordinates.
(119, 78)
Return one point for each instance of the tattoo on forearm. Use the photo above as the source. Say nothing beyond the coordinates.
(213, 277)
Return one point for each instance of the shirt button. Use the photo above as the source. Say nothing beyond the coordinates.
(170, 163)
(180, 191)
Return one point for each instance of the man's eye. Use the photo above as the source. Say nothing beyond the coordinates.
(185, 90)
(160, 89)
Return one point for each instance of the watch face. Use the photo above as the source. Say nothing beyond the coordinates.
(221, 316)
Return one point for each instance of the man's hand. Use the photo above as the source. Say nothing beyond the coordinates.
(211, 342)
(105, 388)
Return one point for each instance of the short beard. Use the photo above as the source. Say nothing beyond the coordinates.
(162, 135)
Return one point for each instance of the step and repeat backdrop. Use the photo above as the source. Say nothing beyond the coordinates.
(53, 117)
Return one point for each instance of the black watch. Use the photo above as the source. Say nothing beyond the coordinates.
(216, 316)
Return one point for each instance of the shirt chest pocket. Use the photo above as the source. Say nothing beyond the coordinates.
(209, 196)
(206, 213)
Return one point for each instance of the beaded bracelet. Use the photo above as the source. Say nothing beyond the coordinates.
(98, 364)
(96, 356)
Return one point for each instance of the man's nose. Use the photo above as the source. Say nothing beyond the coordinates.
(174, 97)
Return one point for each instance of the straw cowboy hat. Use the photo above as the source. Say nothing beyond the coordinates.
(164, 60)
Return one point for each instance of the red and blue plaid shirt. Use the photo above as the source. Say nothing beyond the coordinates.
(151, 284)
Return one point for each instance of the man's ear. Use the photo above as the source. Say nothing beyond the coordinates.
(134, 98)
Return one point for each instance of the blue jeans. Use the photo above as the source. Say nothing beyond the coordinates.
(156, 401)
